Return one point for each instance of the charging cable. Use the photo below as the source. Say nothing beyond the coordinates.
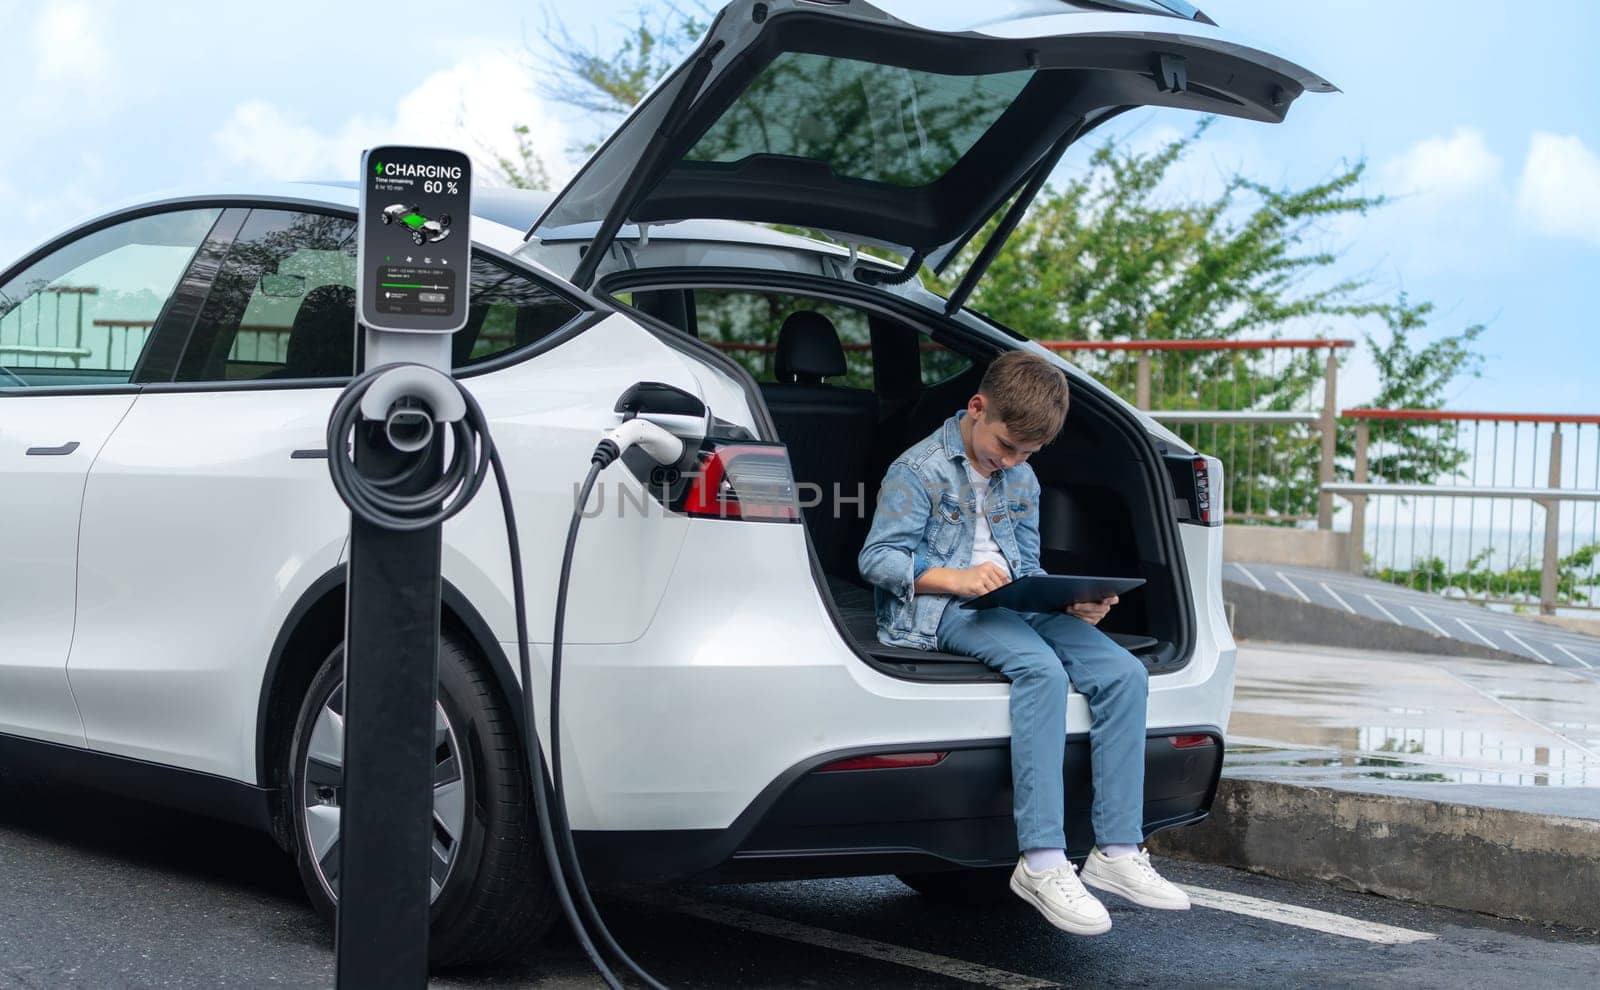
(378, 502)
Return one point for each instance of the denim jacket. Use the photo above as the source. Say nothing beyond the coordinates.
(927, 517)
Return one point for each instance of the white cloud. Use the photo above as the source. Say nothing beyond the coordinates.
(473, 106)
(1559, 190)
(69, 46)
(1443, 167)
(1448, 201)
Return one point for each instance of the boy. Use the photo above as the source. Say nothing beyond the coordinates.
(958, 516)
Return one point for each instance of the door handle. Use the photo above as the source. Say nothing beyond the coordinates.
(60, 451)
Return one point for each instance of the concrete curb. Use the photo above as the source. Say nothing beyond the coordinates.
(1262, 615)
(1512, 864)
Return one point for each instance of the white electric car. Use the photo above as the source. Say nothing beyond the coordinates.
(172, 567)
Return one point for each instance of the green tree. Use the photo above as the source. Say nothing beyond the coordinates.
(609, 82)
(1413, 377)
(1111, 256)
(526, 170)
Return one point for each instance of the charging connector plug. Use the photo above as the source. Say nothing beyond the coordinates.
(663, 447)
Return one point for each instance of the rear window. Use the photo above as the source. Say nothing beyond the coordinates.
(879, 123)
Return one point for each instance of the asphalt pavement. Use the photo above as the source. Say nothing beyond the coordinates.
(103, 892)
(1422, 611)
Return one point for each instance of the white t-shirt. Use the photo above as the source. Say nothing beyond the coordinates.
(983, 545)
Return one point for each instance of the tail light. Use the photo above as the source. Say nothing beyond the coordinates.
(751, 481)
(887, 761)
(1208, 490)
(1190, 742)
(1197, 482)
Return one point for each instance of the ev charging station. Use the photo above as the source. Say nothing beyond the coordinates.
(414, 281)
(390, 463)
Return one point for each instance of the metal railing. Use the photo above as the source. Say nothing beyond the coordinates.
(57, 329)
(1492, 507)
(1251, 403)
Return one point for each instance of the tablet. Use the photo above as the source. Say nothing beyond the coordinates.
(1052, 592)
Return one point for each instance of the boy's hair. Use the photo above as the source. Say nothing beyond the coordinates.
(1026, 393)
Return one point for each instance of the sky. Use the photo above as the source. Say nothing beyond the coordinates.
(1478, 119)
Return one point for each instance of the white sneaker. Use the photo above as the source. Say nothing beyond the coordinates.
(1059, 896)
(1133, 877)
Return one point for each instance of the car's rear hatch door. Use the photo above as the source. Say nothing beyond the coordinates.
(902, 123)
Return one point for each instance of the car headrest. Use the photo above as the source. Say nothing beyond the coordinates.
(808, 349)
(322, 341)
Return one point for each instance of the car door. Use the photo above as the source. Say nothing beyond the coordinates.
(74, 323)
(903, 123)
(211, 513)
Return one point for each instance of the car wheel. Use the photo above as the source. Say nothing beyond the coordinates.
(444, 219)
(417, 238)
(386, 218)
(492, 898)
(974, 886)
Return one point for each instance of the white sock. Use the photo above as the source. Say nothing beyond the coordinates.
(1117, 851)
(1040, 860)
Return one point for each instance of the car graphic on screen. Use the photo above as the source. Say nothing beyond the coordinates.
(423, 230)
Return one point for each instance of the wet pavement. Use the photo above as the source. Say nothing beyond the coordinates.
(1495, 733)
(1423, 611)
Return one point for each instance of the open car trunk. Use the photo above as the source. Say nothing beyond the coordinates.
(909, 124)
(1107, 503)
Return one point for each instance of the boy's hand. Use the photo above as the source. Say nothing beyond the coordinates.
(968, 582)
(980, 580)
(1091, 612)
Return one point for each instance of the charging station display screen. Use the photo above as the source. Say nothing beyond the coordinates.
(416, 242)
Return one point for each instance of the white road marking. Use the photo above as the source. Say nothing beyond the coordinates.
(1253, 579)
(1573, 655)
(1526, 646)
(1486, 640)
(955, 969)
(1324, 586)
(1430, 622)
(1302, 917)
(1379, 606)
(1292, 587)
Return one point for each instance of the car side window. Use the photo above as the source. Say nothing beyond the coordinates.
(83, 314)
(509, 310)
(283, 306)
(939, 363)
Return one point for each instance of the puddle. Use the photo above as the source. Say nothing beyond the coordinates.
(1523, 697)
(1255, 691)
(1436, 756)
(1422, 777)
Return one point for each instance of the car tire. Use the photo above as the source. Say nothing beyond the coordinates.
(495, 901)
(444, 219)
(386, 218)
(418, 239)
(973, 886)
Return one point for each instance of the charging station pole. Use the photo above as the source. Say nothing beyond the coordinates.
(414, 282)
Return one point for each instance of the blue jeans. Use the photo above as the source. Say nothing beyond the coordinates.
(1040, 652)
